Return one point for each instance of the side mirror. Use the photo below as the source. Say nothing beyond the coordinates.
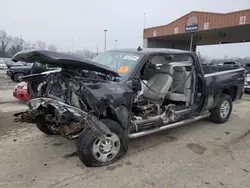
(134, 84)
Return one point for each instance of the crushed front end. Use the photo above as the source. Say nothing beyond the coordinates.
(70, 101)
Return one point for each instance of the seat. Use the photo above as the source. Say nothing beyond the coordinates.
(149, 72)
(160, 83)
(183, 93)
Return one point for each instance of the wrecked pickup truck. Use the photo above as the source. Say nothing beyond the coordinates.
(125, 94)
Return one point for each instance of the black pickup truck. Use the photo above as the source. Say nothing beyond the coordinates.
(124, 94)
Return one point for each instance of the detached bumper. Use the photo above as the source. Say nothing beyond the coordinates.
(63, 119)
(61, 107)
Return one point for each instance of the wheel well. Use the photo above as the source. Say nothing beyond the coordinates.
(232, 92)
(121, 115)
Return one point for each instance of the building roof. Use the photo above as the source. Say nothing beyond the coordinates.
(197, 21)
(148, 51)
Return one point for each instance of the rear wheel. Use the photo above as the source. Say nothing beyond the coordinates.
(101, 151)
(18, 76)
(222, 112)
(12, 78)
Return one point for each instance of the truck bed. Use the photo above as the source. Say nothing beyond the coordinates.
(208, 69)
(219, 78)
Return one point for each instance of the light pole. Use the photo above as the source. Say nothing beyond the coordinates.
(73, 44)
(144, 20)
(115, 44)
(105, 40)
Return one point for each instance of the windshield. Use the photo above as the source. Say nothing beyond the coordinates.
(123, 62)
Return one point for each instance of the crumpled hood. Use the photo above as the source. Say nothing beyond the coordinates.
(61, 60)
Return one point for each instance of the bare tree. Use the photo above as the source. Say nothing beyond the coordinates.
(27, 46)
(16, 46)
(41, 45)
(85, 54)
(4, 42)
(52, 47)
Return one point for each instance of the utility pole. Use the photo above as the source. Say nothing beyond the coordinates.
(144, 20)
(115, 44)
(97, 48)
(21, 42)
(105, 39)
(73, 44)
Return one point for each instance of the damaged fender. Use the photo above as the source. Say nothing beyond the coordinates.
(61, 118)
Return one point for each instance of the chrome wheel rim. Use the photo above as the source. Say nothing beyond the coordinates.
(106, 148)
(224, 109)
(19, 78)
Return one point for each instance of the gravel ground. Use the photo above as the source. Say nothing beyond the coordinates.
(6, 88)
(200, 154)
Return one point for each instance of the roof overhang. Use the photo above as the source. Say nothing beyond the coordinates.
(216, 36)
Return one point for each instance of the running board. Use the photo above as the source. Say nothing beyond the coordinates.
(168, 126)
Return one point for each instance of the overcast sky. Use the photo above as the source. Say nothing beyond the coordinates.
(61, 22)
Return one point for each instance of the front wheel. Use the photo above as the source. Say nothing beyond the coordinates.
(223, 110)
(18, 76)
(104, 150)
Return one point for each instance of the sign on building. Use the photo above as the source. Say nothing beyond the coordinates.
(176, 30)
(243, 20)
(192, 24)
(206, 26)
(154, 34)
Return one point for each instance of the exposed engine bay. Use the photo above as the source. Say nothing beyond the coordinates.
(65, 99)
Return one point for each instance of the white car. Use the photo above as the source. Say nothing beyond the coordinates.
(2, 65)
(247, 83)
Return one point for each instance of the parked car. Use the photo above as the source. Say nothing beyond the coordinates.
(232, 64)
(10, 63)
(247, 83)
(124, 94)
(17, 72)
(2, 65)
(247, 67)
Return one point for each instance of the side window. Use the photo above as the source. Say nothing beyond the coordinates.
(152, 66)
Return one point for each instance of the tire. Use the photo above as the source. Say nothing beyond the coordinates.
(87, 140)
(216, 114)
(17, 77)
(44, 128)
(12, 78)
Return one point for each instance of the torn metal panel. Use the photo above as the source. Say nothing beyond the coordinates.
(61, 60)
(77, 97)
